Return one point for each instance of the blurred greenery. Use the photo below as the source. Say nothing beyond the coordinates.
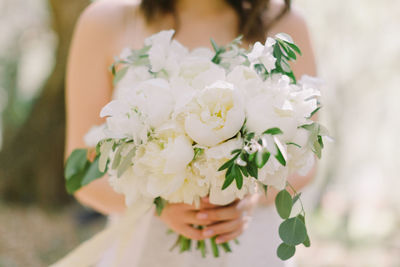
(354, 208)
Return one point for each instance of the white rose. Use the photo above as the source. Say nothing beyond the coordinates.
(215, 115)
(263, 54)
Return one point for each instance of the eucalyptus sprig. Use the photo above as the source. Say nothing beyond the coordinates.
(254, 154)
(292, 230)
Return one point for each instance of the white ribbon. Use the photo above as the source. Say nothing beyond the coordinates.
(120, 234)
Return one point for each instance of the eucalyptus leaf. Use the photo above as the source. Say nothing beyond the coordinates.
(283, 204)
(293, 231)
(119, 75)
(105, 149)
(92, 172)
(75, 163)
(117, 157)
(286, 251)
(127, 162)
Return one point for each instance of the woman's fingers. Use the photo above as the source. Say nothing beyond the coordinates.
(228, 237)
(220, 214)
(190, 217)
(223, 227)
(191, 232)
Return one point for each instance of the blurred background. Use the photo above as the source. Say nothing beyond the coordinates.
(353, 205)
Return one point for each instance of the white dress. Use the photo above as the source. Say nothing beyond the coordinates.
(151, 246)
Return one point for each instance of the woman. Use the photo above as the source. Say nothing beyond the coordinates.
(103, 30)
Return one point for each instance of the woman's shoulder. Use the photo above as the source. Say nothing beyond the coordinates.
(293, 22)
(105, 16)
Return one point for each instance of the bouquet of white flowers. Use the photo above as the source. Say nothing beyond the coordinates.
(188, 124)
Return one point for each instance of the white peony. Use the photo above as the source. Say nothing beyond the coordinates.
(263, 54)
(94, 135)
(215, 114)
(165, 53)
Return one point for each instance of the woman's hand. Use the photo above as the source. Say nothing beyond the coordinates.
(181, 218)
(225, 222)
(229, 221)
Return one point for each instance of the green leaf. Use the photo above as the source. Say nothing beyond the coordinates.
(252, 156)
(226, 165)
(320, 141)
(293, 231)
(283, 204)
(294, 47)
(262, 158)
(73, 184)
(294, 144)
(198, 152)
(238, 176)
(117, 157)
(244, 171)
(313, 112)
(214, 45)
(105, 149)
(280, 157)
(229, 177)
(127, 162)
(92, 172)
(306, 242)
(252, 169)
(296, 197)
(273, 131)
(286, 251)
(160, 204)
(119, 75)
(214, 247)
(75, 163)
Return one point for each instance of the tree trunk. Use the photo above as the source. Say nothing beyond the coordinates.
(31, 161)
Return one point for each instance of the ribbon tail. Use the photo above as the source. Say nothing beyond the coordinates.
(90, 252)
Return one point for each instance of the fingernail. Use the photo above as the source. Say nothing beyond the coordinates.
(208, 232)
(219, 240)
(201, 216)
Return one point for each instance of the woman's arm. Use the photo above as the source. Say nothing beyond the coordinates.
(88, 89)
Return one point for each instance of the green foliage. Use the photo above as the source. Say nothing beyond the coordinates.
(283, 204)
(79, 171)
(198, 152)
(315, 141)
(293, 231)
(286, 251)
(160, 204)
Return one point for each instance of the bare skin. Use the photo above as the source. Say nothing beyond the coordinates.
(103, 30)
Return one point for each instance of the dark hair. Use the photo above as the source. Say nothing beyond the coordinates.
(253, 23)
